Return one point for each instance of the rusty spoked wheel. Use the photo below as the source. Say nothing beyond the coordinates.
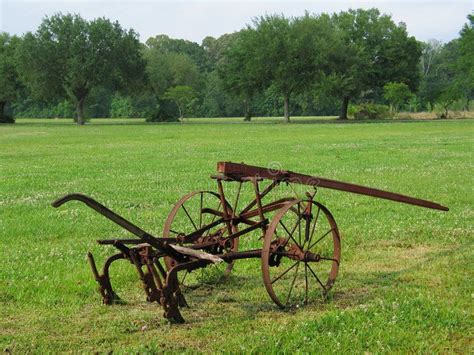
(301, 253)
(192, 212)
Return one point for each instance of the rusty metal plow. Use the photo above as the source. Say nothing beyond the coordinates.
(300, 249)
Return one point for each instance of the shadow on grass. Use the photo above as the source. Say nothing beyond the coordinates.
(362, 287)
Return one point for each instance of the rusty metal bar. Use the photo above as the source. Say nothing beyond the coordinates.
(114, 217)
(262, 195)
(243, 170)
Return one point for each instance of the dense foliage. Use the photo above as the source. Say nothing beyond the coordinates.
(9, 84)
(68, 57)
(277, 66)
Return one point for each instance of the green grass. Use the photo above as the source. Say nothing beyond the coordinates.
(406, 277)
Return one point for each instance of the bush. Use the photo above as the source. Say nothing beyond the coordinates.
(369, 111)
(166, 111)
(121, 107)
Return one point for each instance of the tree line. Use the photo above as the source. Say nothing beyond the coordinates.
(307, 65)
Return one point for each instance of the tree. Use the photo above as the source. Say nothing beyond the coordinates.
(9, 84)
(68, 57)
(375, 52)
(164, 44)
(183, 96)
(166, 69)
(430, 50)
(288, 53)
(465, 63)
(442, 85)
(239, 71)
(217, 101)
(397, 94)
(215, 48)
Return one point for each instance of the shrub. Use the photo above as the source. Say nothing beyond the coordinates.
(121, 107)
(369, 111)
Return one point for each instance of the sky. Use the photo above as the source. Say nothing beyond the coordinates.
(195, 19)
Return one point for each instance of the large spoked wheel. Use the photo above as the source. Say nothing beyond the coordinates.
(192, 212)
(301, 253)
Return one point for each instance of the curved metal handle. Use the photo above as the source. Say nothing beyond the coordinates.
(114, 217)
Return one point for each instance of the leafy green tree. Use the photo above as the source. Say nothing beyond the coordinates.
(216, 47)
(465, 63)
(414, 103)
(217, 102)
(287, 53)
(430, 51)
(9, 84)
(164, 44)
(375, 51)
(431, 82)
(166, 69)
(442, 85)
(182, 96)
(397, 94)
(69, 56)
(239, 71)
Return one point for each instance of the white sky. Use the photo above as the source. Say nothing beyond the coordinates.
(194, 19)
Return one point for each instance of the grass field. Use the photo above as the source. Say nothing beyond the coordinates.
(406, 277)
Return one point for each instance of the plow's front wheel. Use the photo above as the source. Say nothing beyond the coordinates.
(301, 253)
(195, 211)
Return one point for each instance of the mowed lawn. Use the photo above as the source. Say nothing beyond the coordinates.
(406, 277)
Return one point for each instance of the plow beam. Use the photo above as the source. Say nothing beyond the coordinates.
(239, 171)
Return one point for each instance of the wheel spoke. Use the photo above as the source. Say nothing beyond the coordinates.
(294, 229)
(200, 210)
(314, 226)
(187, 214)
(174, 231)
(287, 231)
(299, 223)
(292, 283)
(214, 217)
(306, 283)
(317, 278)
(316, 242)
(284, 273)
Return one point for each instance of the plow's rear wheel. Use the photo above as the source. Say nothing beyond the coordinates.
(301, 253)
(192, 212)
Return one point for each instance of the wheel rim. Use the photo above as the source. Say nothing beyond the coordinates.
(187, 216)
(301, 253)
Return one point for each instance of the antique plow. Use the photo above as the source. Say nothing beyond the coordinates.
(296, 239)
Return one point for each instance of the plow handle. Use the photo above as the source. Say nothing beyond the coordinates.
(122, 222)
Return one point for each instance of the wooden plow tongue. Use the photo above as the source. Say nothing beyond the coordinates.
(300, 238)
(242, 170)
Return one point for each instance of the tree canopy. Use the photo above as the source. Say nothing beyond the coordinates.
(9, 83)
(314, 64)
(68, 57)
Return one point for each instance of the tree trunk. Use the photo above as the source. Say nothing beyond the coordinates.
(2, 109)
(287, 108)
(180, 112)
(80, 111)
(247, 113)
(344, 108)
(4, 118)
